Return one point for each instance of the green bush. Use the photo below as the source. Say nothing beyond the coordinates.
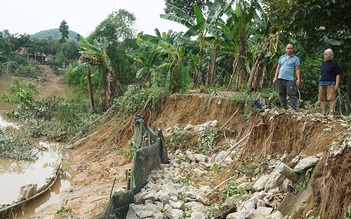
(26, 71)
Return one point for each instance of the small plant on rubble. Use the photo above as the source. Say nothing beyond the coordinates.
(183, 181)
(233, 193)
(348, 212)
(207, 141)
(64, 210)
(303, 184)
(179, 140)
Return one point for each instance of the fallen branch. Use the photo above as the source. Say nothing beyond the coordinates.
(232, 147)
(229, 119)
(219, 185)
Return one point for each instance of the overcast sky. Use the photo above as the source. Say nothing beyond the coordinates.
(82, 16)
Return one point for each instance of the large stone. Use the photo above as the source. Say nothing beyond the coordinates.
(306, 163)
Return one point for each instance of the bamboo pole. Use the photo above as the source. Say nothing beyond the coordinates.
(232, 147)
(219, 185)
(229, 119)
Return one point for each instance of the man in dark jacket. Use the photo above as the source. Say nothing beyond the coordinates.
(329, 82)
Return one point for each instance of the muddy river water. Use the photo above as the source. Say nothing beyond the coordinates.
(14, 173)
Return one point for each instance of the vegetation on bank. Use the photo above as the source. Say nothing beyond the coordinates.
(227, 45)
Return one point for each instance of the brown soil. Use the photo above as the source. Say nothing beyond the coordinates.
(98, 161)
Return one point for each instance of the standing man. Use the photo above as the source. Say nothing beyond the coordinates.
(329, 82)
(288, 66)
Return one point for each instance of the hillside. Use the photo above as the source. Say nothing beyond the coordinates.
(273, 135)
(55, 34)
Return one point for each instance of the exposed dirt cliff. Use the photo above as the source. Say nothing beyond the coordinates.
(99, 159)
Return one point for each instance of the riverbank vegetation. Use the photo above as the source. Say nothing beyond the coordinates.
(228, 45)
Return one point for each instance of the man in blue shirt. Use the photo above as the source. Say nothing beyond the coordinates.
(329, 82)
(288, 66)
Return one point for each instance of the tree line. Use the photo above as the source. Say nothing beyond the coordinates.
(230, 45)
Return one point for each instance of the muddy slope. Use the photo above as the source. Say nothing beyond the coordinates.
(99, 159)
(272, 134)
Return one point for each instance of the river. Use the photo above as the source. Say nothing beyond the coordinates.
(14, 173)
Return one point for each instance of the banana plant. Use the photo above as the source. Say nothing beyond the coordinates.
(200, 27)
(95, 55)
(237, 30)
(161, 52)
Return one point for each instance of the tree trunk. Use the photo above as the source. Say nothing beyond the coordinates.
(90, 89)
(258, 72)
(212, 69)
(199, 76)
(239, 66)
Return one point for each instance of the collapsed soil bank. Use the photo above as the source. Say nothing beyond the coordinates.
(99, 159)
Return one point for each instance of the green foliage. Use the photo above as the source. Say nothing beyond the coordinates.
(343, 104)
(209, 215)
(250, 170)
(187, 6)
(184, 181)
(63, 31)
(134, 100)
(2, 68)
(16, 146)
(20, 59)
(232, 193)
(24, 96)
(51, 117)
(161, 57)
(54, 34)
(206, 141)
(76, 78)
(215, 168)
(303, 184)
(64, 210)
(348, 212)
(27, 71)
(179, 140)
(310, 74)
(118, 30)
(131, 152)
(70, 114)
(231, 189)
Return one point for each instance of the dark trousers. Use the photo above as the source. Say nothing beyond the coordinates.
(287, 88)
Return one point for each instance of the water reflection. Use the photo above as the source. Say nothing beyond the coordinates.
(48, 198)
(16, 173)
(4, 123)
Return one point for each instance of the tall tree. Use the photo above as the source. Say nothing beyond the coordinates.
(331, 27)
(187, 6)
(118, 30)
(64, 31)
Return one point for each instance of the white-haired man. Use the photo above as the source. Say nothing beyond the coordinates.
(329, 82)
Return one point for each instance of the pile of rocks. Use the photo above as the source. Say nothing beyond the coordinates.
(170, 194)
